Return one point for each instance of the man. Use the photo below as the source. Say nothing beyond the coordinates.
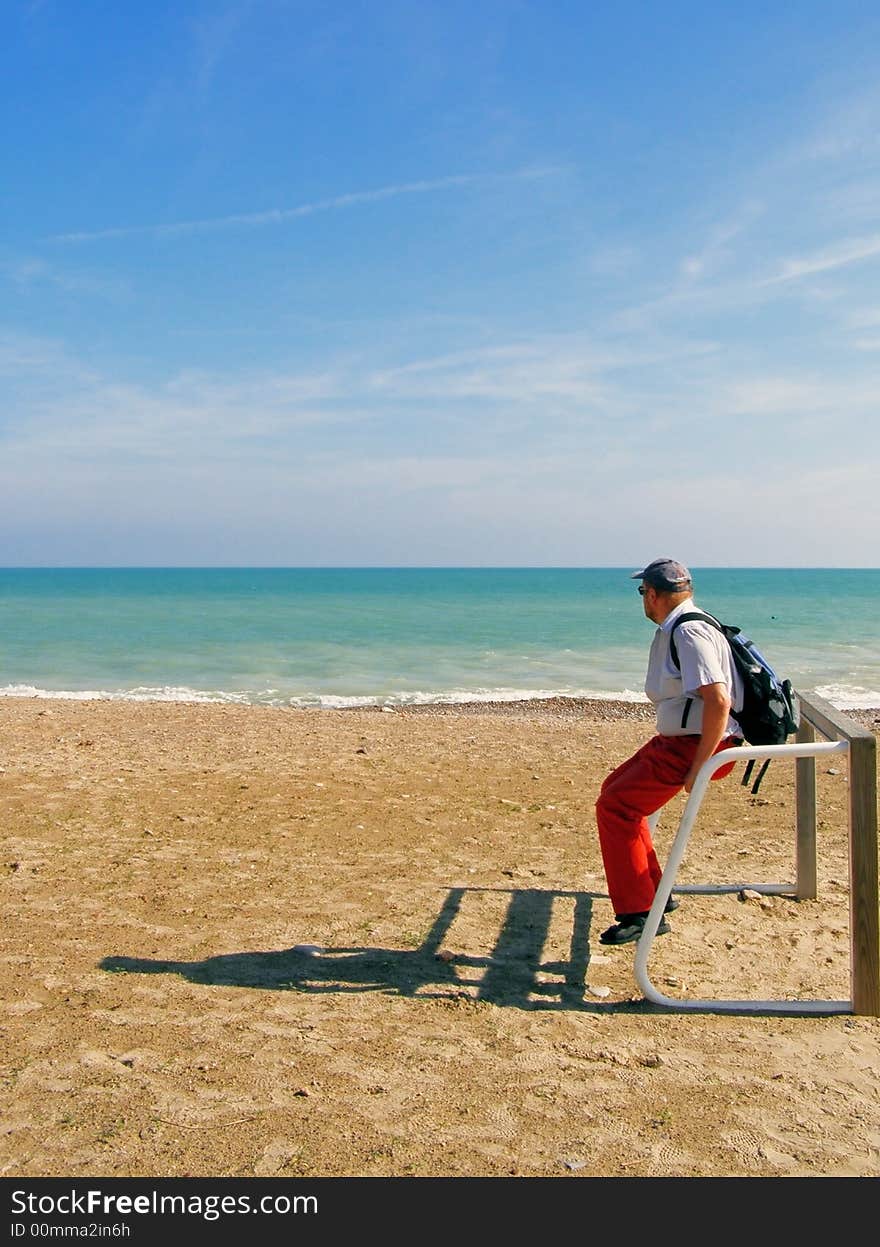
(693, 703)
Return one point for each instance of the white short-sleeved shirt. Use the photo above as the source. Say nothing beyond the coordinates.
(705, 658)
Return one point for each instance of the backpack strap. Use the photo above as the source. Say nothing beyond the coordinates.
(673, 652)
(686, 618)
(747, 774)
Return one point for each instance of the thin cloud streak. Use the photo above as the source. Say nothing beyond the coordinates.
(851, 252)
(277, 216)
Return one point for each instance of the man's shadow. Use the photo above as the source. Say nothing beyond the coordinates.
(513, 974)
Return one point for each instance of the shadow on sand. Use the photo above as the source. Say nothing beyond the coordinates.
(513, 974)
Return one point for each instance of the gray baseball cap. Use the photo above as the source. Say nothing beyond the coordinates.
(665, 574)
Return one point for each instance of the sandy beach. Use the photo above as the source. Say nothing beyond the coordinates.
(270, 942)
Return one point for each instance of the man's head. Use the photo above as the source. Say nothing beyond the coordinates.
(665, 583)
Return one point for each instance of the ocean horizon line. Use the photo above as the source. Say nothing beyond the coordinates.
(422, 567)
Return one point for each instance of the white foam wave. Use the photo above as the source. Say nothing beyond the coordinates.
(327, 701)
(842, 696)
(850, 696)
(461, 696)
(142, 693)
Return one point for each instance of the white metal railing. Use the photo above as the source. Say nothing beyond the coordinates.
(800, 749)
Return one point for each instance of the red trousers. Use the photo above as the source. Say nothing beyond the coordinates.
(637, 788)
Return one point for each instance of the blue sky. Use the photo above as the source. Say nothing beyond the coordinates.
(427, 282)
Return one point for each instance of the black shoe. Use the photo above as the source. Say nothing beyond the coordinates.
(629, 927)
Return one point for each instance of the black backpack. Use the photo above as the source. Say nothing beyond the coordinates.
(771, 710)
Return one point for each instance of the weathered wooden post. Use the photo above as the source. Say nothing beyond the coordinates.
(864, 910)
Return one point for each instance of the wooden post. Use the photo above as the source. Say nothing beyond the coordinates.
(806, 887)
(864, 912)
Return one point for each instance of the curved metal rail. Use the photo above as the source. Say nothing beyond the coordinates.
(801, 749)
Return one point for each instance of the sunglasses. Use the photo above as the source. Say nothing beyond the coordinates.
(641, 590)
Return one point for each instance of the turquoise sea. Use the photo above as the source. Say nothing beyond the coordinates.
(388, 636)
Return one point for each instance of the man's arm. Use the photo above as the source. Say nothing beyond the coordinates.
(716, 708)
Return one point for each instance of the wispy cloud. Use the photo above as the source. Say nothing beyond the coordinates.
(30, 272)
(41, 359)
(850, 130)
(715, 251)
(572, 369)
(278, 216)
(783, 396)
(214, 36)
(512, 374)
(241, 459)
(865, 318)
(852, 251)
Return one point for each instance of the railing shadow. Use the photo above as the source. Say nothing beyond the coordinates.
(512, 975)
